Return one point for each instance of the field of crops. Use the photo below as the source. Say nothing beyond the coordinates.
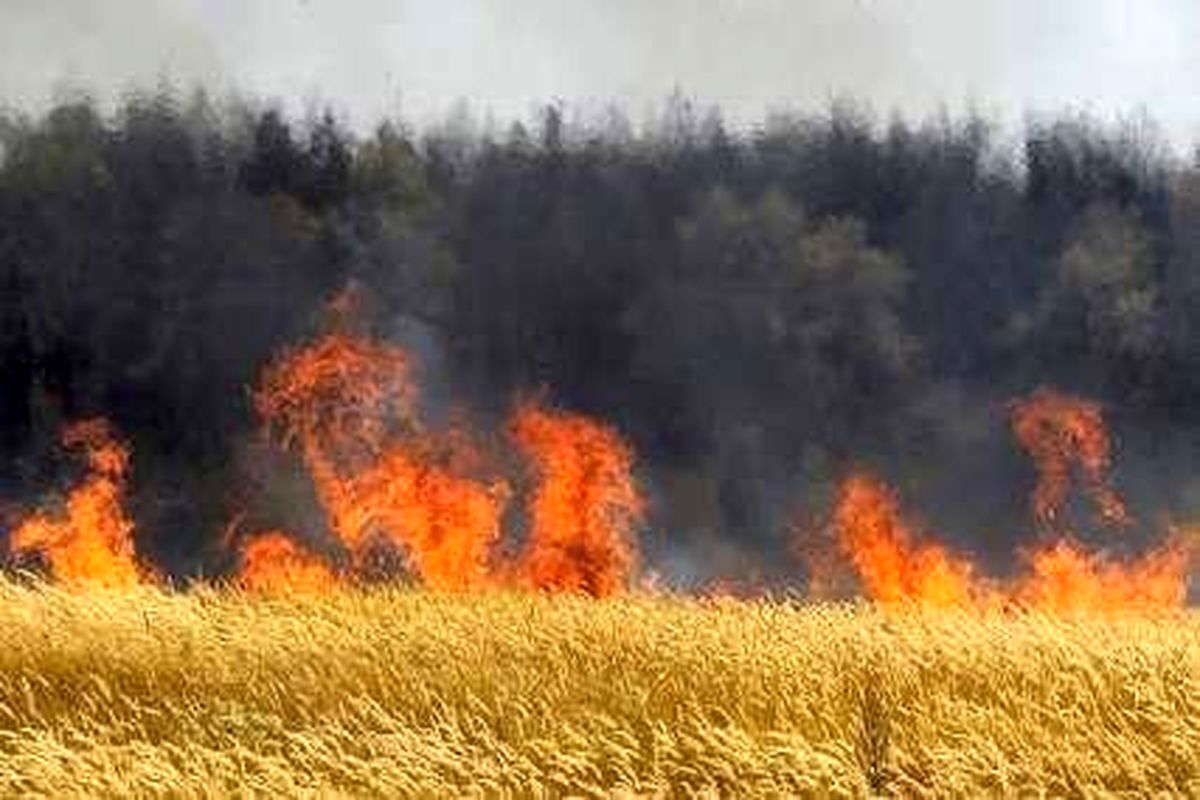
(363, 692)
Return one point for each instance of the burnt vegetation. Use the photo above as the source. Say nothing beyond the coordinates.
(756, 310)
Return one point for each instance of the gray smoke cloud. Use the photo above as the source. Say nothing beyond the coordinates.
(102, 46)
(370, 56)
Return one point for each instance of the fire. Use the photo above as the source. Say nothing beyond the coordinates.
(1057, 430)
(1063, 575)
(93, 544)
(445, 524)
(272, 563)
(348, 405)
(893, 565)
(1067, 578)
(585, 507)
(336, 398)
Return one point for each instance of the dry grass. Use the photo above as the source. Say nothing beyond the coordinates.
(400, 692)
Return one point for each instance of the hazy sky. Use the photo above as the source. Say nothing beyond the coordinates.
(368, 56)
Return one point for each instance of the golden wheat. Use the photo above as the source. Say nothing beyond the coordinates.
(390, 691)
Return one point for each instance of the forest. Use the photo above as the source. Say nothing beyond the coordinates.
(757, 310)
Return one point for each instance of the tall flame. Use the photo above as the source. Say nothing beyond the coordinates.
(335, 400)
(1063, 575)
(93, 544)
(894, 566)
(585, 507)
(347, 404)
(1057, 430)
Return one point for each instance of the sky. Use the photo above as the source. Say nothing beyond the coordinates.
(1008, 58)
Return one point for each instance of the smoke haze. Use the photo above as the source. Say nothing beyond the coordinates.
(757, 304)
(370, 56)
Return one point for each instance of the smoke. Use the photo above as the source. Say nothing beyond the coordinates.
(108, 47)
(745, 55)
(756, 312)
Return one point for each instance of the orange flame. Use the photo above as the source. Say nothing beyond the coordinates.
(272, 563)
(347, 404)
(585, 507)
(336, 398)
(1057, 429)
(893, 565)
(1067, 578)
(445, 524)
(93, 545)
(1064, 577)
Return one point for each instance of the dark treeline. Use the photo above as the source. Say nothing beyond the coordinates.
(754, 310)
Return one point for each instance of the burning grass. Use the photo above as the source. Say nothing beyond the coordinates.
(92, 543)
(391, 691)
(347, 404)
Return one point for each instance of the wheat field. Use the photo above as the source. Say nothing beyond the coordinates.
(402, 692)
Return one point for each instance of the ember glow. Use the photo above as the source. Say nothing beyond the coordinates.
(92, 543)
